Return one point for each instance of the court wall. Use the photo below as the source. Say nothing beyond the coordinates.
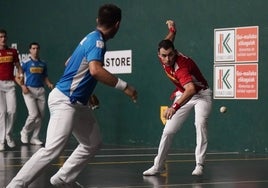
(59, 26)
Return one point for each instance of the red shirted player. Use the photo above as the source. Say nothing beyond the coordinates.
(191, 91)
(8, 60)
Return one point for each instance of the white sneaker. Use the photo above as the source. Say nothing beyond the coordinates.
(198, 171)
(36, 141)
(57, 182)
(24, 137)
(10, 142)
(2, 147)
(153, 171)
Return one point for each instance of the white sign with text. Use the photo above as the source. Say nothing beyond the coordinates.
(118, 62)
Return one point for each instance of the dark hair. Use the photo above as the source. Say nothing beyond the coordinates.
(34, 43)
(166, 44)
(108, 15)
(3, 31)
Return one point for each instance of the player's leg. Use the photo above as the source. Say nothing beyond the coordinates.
(87, 133)
(35, 136)
(33, 113)
(171, 127)
(41, 103)
(3, 110)
(59, 130)
(11, 114)
(202, 111)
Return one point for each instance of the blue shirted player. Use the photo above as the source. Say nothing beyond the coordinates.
(33, 92)
(69, 113)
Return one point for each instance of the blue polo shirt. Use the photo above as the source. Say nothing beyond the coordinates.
(35, 72)
(77, 82)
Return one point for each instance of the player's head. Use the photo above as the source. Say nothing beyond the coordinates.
(3, 37)
(32, 44)
(167, 52)
(109, 18)
(34, 48)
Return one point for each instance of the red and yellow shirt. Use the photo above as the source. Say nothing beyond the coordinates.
(8, 58)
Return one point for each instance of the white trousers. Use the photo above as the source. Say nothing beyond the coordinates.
(35, 101)
(202, 104)
(65, 119)
(7, 109)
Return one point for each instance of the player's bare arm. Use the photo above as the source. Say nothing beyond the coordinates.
(19, 78)
(48, 83)
(19, 73)
(189, 92)
(20, 82)
(99, 73)
(171, 30)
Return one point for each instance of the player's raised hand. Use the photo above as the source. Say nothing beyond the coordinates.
(171, 26)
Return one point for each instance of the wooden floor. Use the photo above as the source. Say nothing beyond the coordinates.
(118, 167)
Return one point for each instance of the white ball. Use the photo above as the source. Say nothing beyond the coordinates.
(223, 109)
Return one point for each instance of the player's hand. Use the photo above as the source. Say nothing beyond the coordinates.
(169, 113)
(50, 86)
(171, 25)
(93, 102)
(19, 79)
(131, 92)
(25, 89)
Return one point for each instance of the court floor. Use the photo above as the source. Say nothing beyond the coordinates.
(122, 167)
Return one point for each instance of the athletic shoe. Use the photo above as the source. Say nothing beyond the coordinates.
(2, 147)
(153, 171)
(57, 182)
(10, 142)
(36, 141)
(24, 137)
(198, 171)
